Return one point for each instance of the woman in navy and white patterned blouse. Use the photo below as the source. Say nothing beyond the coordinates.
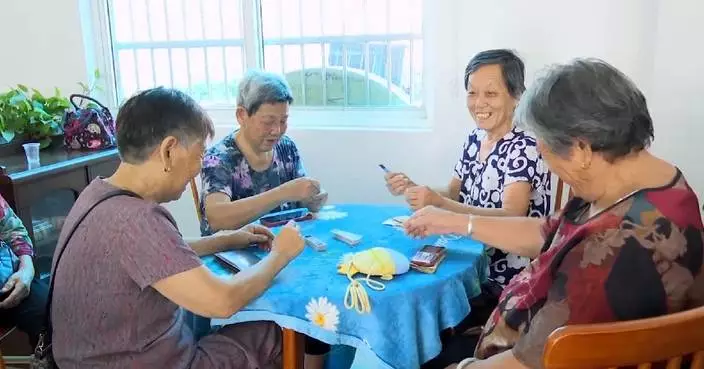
(500, 171)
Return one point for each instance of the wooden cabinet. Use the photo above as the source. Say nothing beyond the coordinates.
(43, 195)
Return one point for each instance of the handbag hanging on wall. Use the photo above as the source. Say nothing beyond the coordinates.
(88, 128)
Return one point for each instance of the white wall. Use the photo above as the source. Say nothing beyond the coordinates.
(42, 44)
(677, 96)
(648, 39)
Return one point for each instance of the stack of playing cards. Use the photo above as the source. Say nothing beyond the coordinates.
(349, 238)
(396, 222)
(427, 259)
(315, 243)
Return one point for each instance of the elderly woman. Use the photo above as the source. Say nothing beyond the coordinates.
(627, 246)
(124, 278)
(256, 169)
(499, 173)
(22, 296)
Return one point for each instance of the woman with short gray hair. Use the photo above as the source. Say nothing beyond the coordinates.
(123, 276)
(257, 169)
(629, 245)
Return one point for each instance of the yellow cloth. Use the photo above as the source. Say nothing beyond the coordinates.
(376, 261)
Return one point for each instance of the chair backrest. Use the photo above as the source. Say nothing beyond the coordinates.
(642, 342)
(559, 193)
(196, 198)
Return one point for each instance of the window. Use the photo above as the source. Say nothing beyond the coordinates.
(334, 53)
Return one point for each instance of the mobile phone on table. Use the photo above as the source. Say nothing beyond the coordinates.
(238, 260)
(429, 255)
(283, 217)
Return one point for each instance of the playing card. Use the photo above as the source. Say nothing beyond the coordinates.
(396, 221)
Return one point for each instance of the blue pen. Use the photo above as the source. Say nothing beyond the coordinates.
(384, 168)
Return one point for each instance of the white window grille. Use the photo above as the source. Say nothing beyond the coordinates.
(334, 53)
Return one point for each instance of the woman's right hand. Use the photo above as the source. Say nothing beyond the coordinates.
(397, 183)
(288, 243)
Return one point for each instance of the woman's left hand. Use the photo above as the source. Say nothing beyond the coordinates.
(17, 287)
(258, 234)
(419, 197)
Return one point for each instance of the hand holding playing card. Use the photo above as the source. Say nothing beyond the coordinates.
(316, 202)
(435, 221)
(397, 183)
(289, 242)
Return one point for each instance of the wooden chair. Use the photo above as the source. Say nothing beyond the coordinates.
(639, 343)
(19, 360)
(558, 195)
(293, 342)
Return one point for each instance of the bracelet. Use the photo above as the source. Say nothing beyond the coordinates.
(469, 225)
(465, 363)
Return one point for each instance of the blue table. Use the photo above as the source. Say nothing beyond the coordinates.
(403, 328)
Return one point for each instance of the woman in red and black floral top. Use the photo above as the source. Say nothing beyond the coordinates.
(629, 245)
(22, 297)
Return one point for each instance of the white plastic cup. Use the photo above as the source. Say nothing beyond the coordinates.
(31, 151)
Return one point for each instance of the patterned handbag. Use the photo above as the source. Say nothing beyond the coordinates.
(90, 127)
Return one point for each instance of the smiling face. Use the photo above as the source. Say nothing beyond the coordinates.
(488, 99)
(264, 128)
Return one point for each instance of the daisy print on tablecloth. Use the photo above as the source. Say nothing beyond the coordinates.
(323, 313)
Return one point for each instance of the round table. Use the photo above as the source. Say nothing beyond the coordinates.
(403, 328)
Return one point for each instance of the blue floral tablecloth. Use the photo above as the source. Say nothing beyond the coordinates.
(403, 328)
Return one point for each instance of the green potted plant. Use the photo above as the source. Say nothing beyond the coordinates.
(28, 116)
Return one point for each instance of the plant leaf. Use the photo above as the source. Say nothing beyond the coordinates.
(57, 92)
(23, 88)
(84, 87)
(44, 142)
(36, 95)
(16, 99)
(96, 73)
(8, 135)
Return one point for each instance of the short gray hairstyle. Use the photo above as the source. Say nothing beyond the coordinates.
(512, 69)
(259, 87)
(148, 117)
(587, 100)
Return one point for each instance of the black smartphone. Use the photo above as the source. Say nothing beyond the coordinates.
(238, 259)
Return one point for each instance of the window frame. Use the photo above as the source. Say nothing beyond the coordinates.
(97, 37)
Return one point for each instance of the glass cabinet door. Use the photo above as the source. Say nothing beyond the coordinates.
(48, 216)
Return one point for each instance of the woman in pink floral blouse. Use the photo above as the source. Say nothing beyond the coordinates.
(22, 297)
